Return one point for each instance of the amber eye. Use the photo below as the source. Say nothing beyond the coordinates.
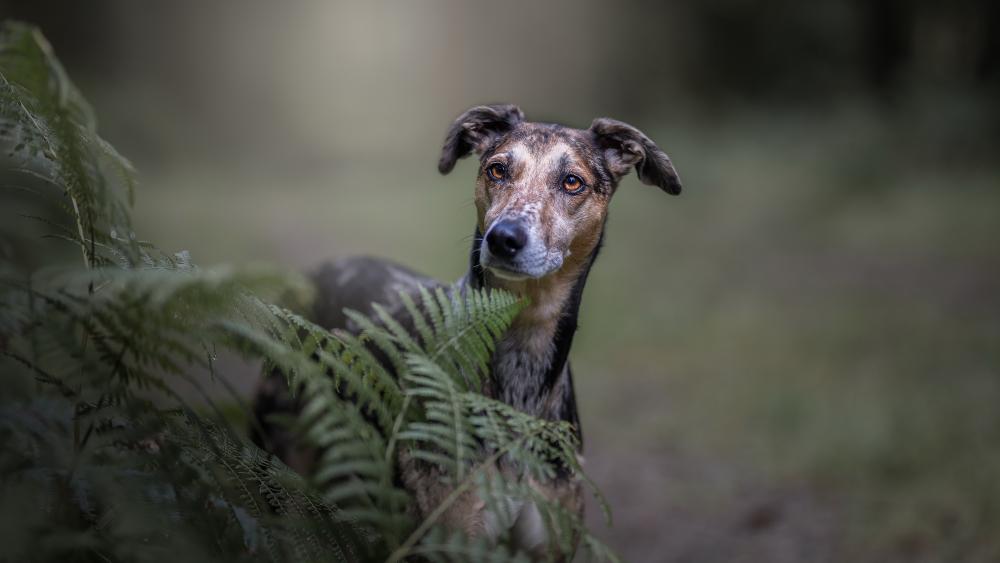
(573, 184)
(497, 171)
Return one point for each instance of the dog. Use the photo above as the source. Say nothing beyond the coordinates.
(541, 195)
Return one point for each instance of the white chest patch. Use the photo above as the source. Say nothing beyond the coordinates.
(521, 518)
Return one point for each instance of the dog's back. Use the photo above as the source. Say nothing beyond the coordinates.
(350, 283)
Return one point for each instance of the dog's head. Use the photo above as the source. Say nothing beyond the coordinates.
(542, 190)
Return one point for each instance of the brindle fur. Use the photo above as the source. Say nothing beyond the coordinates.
(530, 368)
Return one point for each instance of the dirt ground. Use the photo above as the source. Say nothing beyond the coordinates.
(676, 506)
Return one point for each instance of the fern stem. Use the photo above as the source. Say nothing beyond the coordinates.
(396, 427)
(79, 227)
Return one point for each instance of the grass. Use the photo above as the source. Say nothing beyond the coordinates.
(819, 308)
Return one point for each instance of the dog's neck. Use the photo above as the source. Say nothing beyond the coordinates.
(530, 368)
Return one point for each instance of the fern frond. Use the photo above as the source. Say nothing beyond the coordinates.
(116, 449)
(446, 426)
(52, 130)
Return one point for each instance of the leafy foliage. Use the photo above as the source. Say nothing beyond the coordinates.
(115, 447)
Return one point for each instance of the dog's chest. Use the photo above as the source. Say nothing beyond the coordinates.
(520, 368)
(523, 522)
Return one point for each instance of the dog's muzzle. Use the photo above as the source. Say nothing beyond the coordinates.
(511, 250)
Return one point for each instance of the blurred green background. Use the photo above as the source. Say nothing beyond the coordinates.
(798, 359)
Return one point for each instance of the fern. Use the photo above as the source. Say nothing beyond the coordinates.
(49, 125)
(115, 446)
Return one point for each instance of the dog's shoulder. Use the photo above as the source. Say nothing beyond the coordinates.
(359, 281)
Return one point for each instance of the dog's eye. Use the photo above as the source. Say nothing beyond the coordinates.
(573, 184)
(497, 171)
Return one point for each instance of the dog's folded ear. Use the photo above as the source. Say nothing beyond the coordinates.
(475, 130)
(625, 146)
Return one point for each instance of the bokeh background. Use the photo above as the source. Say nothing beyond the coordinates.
(796, 360)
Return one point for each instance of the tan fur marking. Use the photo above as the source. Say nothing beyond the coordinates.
(569, 223)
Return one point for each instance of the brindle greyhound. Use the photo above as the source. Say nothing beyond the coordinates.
(542, 194)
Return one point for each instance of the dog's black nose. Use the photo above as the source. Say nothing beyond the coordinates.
(506, 238)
